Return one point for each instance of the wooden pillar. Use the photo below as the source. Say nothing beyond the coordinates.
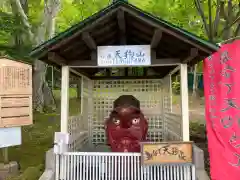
(184, 102)
(64, 99)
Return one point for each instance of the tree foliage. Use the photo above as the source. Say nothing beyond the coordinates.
(208, 18)
(220, 18)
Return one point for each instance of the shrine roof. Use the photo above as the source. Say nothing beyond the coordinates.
(122, 24)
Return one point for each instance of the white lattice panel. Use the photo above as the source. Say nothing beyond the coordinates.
(86, 102)
(148, 92)
(167, 93)
(174, 126)
(78, 125)
(78, 134)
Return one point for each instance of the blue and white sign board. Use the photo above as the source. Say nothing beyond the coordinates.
(10, 137)
(131, 55)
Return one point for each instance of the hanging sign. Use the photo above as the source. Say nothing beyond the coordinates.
(166, 153)
(222, 104)
(134, 55)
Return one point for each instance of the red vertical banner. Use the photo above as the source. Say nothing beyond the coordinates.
(222, 109)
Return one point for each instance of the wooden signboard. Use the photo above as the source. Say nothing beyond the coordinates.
(15, 93)
(166, 153)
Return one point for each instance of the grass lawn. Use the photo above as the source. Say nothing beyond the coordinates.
(37, 139)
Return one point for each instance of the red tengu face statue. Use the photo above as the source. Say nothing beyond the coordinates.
(126, 125)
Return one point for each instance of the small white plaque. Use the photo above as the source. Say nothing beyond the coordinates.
(61, 141)
(132, 55)
(10, 137)
(61, 137)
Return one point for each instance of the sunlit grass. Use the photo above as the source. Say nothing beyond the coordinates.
(38, 138)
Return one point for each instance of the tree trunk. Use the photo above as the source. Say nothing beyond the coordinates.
(39, 75)
(51, 9)
(42, 95)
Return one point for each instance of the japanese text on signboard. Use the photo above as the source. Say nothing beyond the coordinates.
(123, 55)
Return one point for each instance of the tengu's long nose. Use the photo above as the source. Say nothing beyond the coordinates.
(125, 114)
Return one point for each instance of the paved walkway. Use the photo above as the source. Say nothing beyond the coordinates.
(197, 114)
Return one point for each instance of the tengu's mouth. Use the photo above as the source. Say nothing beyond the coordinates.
(126, 144)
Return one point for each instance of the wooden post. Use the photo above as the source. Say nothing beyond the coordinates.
(5, 155)
(64, 99)
(184, 102)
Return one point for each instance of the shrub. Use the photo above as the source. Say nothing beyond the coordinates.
(176, 87)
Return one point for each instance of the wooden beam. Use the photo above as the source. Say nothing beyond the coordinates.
(153, 55)
(176, 69)
(79, 72)
(89, 41)
(157, 36)
(121, 21)
(55, 58)
(83, 63)
(127, 77)
(105, 29)
(193, 55)
(93, 62)
(142, 36)
(94, 55)
(122, 26)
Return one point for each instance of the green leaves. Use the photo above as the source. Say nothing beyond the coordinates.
(74, 11)
(219, 18)
(179, 12)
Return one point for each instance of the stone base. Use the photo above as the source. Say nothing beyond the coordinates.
(8, 169)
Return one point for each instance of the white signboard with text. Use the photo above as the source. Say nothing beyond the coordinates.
(130, 55)
(10, 137)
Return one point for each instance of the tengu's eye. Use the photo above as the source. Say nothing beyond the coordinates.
(135, 121)
(116, 121)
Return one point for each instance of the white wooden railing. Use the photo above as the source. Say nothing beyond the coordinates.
(117, 166)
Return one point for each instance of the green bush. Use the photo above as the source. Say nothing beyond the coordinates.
(176, 87)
